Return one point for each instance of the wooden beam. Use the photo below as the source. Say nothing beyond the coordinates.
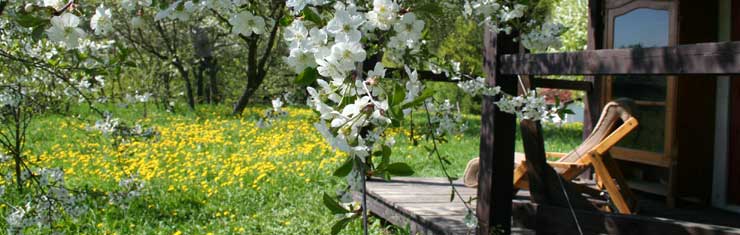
(722, 58)
(562, 84)
(557, 220)
(495, 189)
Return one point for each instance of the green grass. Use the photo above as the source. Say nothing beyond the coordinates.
(213, 173)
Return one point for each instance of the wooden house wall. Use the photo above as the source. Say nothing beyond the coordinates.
(695, 109)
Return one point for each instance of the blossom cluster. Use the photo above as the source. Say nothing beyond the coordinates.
(495, 14)
(335, 48)
(120, 131)
(66, 29)
(52, 203)
(354, 107)
(8, 99)
(527, 106)
(130, 188)
(346, 125)
(298, 5)
(271, 115)
(477, 86)
(242, 21)
(547, 37)
(447, 118)
(503, 16)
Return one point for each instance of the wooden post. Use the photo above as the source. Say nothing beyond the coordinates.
(592, 102)
(496, 173)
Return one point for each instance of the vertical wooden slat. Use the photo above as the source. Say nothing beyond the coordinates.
(733, 166)
(733, 189)
(497, 142)
(593, 101)
(692, 120)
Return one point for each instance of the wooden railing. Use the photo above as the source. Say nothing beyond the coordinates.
(503, 66)
(706, 58)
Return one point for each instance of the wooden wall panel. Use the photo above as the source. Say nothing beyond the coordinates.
(733, 188)
(695, 109)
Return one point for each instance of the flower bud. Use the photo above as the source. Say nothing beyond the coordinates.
(372, 81)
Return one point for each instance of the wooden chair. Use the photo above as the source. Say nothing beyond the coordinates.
(593, 152)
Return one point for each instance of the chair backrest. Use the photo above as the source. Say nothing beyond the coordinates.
(611, 115)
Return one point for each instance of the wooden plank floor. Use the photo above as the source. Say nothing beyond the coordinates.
(423, 205)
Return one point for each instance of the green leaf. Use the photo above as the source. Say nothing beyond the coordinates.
(344, 169)
(37, 33)
(399, 94)
(341, 224)
(385, 154)
(452, 195)
(307, 77)
(399, 169)
(312, 16)
(286, 21)
(419, 100)
(333, 205)
(28, 20)
(431, 9)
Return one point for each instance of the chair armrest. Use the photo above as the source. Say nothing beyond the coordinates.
(555, 155)
(567, 164)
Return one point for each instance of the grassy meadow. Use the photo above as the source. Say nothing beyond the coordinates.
(212, 173)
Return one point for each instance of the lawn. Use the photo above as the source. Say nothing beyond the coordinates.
(211, 173)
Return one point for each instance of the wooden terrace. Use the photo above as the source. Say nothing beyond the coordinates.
(423, 205)
(693, 172)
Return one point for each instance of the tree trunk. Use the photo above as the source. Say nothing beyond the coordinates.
(167, 92)
(252, 84)
(188, 85)
(199, 82)
(213, 95)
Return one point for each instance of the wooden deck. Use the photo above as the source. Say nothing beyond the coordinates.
(423, 205)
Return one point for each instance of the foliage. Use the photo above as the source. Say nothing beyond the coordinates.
(361, 59)
(210, 172)
(573, 14)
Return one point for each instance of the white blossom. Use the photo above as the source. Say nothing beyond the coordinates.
(64, 30)
(245, 23)
(298, 5)
(300, 59)
(548, 36)
(101, 21)
(295, 34)
(409, 27)
(478, 87)
(344, 26)
(131, 5)
(143, 98)
(277, 105)
(384, 14)
(56, 4)
(413, 85)
(377, 72)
